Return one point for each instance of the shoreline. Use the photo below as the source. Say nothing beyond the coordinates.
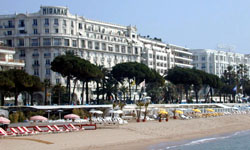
(139, 136)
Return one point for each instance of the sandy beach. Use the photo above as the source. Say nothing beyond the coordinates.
(131, 136)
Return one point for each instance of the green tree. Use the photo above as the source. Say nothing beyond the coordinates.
(58, 94)
(36, 86)
(131, 71)
(21, 81)
(5, 85)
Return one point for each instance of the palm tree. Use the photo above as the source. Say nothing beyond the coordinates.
(139, 105)
(124, 90)
(146, 110)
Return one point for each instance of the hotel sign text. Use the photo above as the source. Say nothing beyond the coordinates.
(54, 11)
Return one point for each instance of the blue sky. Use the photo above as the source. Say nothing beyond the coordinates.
(188, 23)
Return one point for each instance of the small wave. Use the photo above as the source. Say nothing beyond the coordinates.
(200, 141)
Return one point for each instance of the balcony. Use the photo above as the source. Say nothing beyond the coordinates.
(34, 44)
(22, 55)
(35, 65)
(46, 44)
(47, 55)
(35, 54)
(9, 26)
(11, 62)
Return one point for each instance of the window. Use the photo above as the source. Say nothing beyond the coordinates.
(9, 32)
(64, 22)
(150, 56)
(110, 48)
(90, 46)
(97, 45)
(72, 32)
(57, 42)
(47, 54)
(203, 58)
(129, 50)
(46, 21)
(46, 42)
(56, 30)
(66, 42)
(34, 42)
(57, 81)
(47, 62)
(136, 50)
(123, 49)
(22, 53)
(80, 26)
(10, 24)
(47, 71)
(74, 43)
(35, 31)
(9, 43)
(55, 21)
(117, 48)
(21, 42)
(21, 23)
(104, 46)
(203, 66)
(36, 72)
(34, 22)
(83, 43)
(22, 31)
(65, 31)
(46, 31)
(36, 62)
(72, 24)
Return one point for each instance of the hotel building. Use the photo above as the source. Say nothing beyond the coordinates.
(216, 62)
(7, 60)
(40, 37)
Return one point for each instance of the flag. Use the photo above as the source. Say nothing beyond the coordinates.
(235, 88)
(143, 83)
(241, 87)
(133, 82)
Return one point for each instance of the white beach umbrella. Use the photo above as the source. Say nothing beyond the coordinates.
(118, 112)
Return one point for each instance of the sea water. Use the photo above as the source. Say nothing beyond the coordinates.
(235, 141)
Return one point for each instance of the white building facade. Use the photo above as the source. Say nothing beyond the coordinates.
(40, 37)
(7, 60)
(216, 62)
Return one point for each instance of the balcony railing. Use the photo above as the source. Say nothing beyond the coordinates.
(35, 65)
(12, 60)
(10, 26)
(35, 55)
(34, 44)
(47, 54)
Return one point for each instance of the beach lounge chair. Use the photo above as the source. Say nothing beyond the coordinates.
(50, 128)
(37, 128)
(66, 128)
(16, 132)
(5, 133)
(21, 130)
(29, 131)
(57, 128)
(73, 127)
